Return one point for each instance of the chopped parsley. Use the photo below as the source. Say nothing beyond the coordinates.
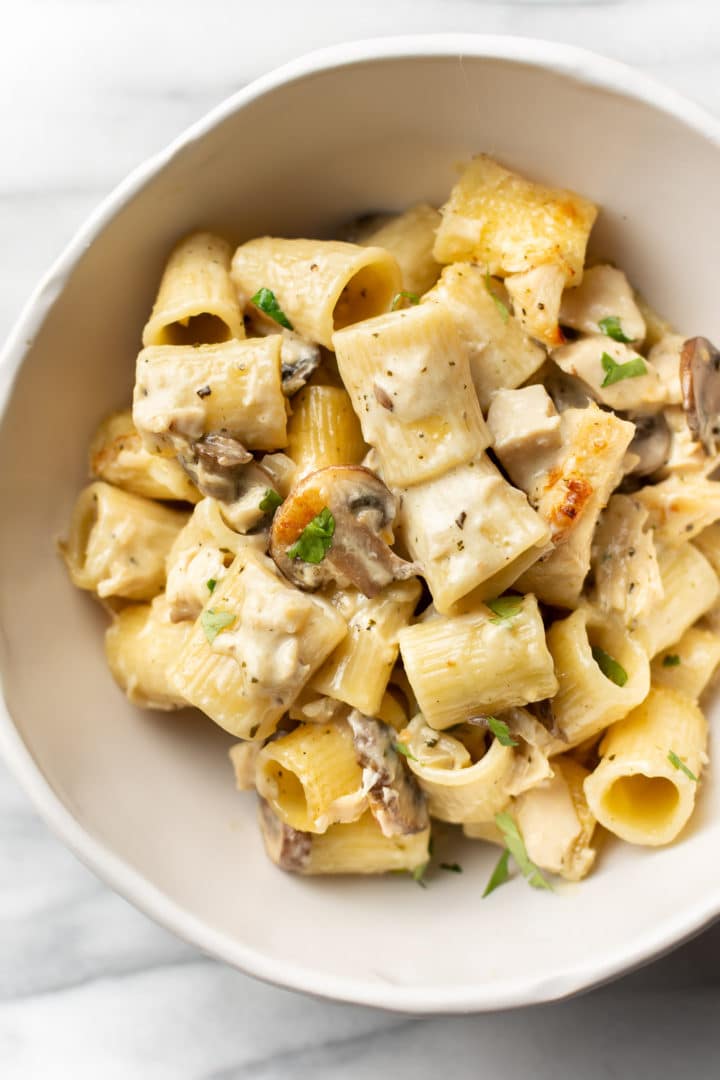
(211, 583)
(500, 874)
(270, 501)
(315, 540)
(213, 622)
(266, 300)
(452, 867)
(671, 660)
(411, 297)
(516, 846)
(615, 372)
(610, 326)
(418, 874)
(402, 748)
(678, 763)
(502, 307)
(609, 666)
(501, 731)
(504, 607)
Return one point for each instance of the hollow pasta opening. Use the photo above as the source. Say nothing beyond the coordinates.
(645, 802)
(289, 795)
(202, 329)
(366, 294)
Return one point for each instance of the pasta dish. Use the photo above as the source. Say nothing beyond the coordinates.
(427, 518)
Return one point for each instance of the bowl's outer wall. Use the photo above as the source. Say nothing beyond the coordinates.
(157, 790)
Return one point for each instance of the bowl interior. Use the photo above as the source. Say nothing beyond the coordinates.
(156, 791)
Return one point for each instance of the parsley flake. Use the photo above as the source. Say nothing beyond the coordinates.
(266, 300)
(452, 867)
(615, 372)
(270, 501)
(211, 583)
(418, 874)
(501, 731)
(516, 846)
(500, 874)
(671, 660)
(610, 326)
(609, 666)
(411, 297)
(315, 540)
(404, 749)
(504, 607)
(678, 763)
(213, 622)
(502, 307)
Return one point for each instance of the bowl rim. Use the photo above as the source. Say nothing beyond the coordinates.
(580, 65)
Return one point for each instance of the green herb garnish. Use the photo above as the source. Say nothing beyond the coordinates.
(214, 621)
(680, 764)
(609, 666)
(502, 308)
(315, 540)
(615, 372)
(411, 297)
(452, 867)
(500, 874)
(418, 874)
(270, 501)
(611, 326)
(516, 846)
(671, 660)
(504, 607)
(402, 748)
(501, 731)
(266, 300)
(211, 583)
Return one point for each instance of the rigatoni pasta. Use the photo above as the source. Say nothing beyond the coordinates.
(430, 523)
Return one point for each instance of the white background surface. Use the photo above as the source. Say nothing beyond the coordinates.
(89, 988)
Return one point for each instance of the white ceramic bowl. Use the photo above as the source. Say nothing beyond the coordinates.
(147, 800)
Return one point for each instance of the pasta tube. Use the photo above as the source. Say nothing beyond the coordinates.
(689, 664)
(470, 532)
(255, 645)
(645, 786)
(358, 847)
(409, 237)
(311, 777)
(140, 646)
(118, 456)
(323, 430)
(408, 376)
(501, 354)
(243, 758)
(477, 663)
(196, 303)
(320, 285)
(359, 669)
(690, 588)
(588, 699)
(118, 542)
(508, 224)
(182, 393)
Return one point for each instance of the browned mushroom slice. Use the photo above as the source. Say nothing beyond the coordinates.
(223, 469)
(288, 848)
(396, 800)
(700, 383)
(651, 443)
(330, 529)
(299, 358)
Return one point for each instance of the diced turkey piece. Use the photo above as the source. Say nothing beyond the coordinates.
(603, 293)
(583, 358)
(536, 296)
(525, 428)
(665, 358)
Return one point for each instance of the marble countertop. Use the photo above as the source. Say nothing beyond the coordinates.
(89, 987)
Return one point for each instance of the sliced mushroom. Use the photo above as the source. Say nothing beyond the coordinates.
(363, 509)
(288, 848)
(299, 357)
(223, 469)
(700, 383)
(567, 391)
(651, 443)
(396, 800)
